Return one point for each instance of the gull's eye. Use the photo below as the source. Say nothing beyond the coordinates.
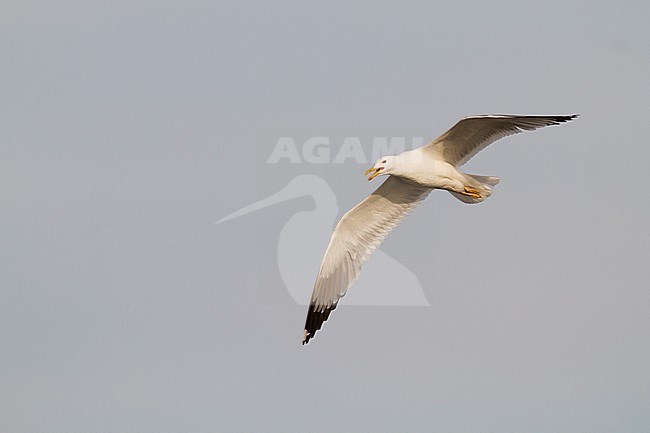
(384, 161)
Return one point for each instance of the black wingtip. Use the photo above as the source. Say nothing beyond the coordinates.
(562, 119)
(315, 320)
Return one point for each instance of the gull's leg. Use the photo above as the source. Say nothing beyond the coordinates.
(472, 192)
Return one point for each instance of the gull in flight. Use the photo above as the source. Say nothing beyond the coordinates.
(412, 175)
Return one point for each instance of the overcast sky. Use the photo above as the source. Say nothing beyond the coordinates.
(129, 127)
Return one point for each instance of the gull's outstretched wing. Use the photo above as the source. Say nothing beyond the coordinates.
(355, 237)
(473, 134)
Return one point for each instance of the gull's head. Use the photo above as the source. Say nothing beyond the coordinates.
(383, 166)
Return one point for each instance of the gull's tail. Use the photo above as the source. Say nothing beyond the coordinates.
(477, 189)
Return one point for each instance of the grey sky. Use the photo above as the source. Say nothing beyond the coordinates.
(128, 128)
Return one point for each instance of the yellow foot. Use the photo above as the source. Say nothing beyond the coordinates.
(472, 192)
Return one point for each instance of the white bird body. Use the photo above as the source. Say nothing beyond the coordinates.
(422, 168)
(412, 175)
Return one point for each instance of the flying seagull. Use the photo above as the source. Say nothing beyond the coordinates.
(412, 175)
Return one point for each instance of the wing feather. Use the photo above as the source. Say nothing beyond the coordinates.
(359, 232)
(473, 134)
